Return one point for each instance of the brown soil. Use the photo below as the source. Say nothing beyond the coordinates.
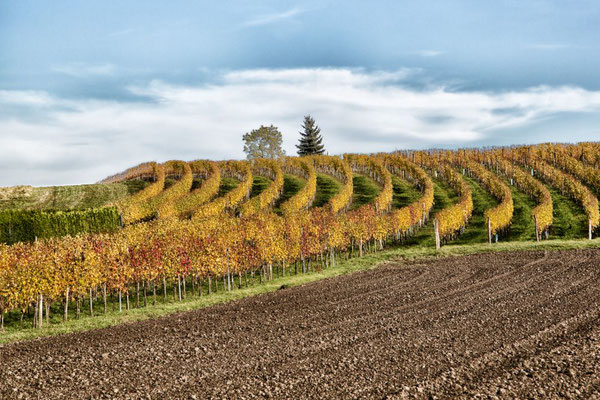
(512, 325)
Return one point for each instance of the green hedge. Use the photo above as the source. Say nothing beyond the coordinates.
(27, 225)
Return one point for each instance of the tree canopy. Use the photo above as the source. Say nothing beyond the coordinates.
(311, 141)
(264, 142)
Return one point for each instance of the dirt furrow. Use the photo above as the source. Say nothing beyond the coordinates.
(522, 324)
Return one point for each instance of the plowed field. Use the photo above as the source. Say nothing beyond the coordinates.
(511, 325)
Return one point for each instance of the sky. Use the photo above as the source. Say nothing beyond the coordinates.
(90, 88)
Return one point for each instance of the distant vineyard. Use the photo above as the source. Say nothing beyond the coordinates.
(179, 230)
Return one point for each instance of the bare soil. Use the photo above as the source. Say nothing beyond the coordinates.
(504, 325)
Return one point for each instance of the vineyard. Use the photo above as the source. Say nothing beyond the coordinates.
(194, 228)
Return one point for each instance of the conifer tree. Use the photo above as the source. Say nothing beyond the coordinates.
(311, 141)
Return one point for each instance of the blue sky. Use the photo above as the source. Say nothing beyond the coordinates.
(90, 88)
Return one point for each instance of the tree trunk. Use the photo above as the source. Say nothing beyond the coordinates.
(165, 288)
(127, 299)
(120, 300)
(209, 284)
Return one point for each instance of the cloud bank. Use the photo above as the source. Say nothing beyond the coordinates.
(48, 140)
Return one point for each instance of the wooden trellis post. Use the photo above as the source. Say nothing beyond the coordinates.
(436, 228)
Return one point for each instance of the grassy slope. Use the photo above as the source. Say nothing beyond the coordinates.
(570, 221)
(291, 185)
(404, 192)
(259, 184)
(327, 187)
(227, 184)
(443, 196)
(365, 190)
(476, 231)
(67, 197)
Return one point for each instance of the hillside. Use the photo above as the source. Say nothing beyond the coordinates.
(64, 198)
(200, 227)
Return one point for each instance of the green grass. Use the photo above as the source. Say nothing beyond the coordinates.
(477, 230)
(570, 220)
(522, 226)
(75, 197)
(14, 333)
(259, 183)
(327, 187)
(227, 185)
(443, 196)
(365, 190)
(404, 192)
(292, 184)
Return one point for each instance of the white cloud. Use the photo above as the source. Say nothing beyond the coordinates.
(79, 70)
(272, 18)
(121, 32)
(25, 98)
(359, 111)
(429, 53)
(548, 46)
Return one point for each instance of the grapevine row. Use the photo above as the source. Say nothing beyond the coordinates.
(211, 174)
(542, 212)
(559, 158)
(271, 169)
(376, 170)
(136, 207)
(560, 180)
(303, 199)
(454, 219)
(164, 203)
(339, 169)
(401, 220)
(499, 217)
(235, 169)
